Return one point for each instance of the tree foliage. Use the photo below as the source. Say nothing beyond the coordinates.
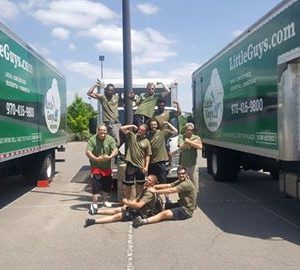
(79, 114)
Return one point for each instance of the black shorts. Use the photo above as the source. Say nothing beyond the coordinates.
(129, 214)
(177, 210)
(139, 119)
(159, 169)
(133, 173)
(101, 183)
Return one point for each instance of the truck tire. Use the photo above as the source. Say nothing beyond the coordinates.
(224, 165)
(29, 172)
(275, 174)
(209, 163)
(47, 169)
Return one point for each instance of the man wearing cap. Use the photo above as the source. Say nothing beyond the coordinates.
(188, 144)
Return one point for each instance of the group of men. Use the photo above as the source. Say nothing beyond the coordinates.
(146, 159)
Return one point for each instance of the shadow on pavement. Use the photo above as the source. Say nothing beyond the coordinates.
(12, 188)
(252, 206)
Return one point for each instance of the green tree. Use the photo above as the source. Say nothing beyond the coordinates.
(79, 114)
(183, 119)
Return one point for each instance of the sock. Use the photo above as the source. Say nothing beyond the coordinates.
(145, 221)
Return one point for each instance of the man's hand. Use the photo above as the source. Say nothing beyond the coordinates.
(98, 84)
(100, 158)
(106, 157)
(144, 170)
(125, 201)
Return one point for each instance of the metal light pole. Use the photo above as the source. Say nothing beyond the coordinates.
(127, 61)
(100, 118)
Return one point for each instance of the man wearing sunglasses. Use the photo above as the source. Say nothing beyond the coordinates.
(146, 204)
(181, 210)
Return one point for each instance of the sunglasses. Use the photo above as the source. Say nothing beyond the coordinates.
(182, 173)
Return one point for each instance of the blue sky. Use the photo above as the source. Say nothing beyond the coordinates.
(170, 38)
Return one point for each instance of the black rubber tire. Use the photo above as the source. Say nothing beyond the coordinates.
(224, 165)
(275, 174)
(47, 169)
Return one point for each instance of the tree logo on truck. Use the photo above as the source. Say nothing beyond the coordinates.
(213, 102)
(52, 107)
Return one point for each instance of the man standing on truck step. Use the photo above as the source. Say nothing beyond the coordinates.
(157, 138)
(181, 210)
(137, 158)
(109, 102)
(145, 205)
(188, 144)
(101, 148)
(146, 102)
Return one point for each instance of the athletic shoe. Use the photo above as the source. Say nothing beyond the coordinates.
(108, 204)
(93, 209)
(89, 222)
(138, 221)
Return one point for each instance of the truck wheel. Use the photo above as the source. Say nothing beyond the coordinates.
(217, 166)
(224, 166)
(209, 163)
(275, 174)
(47, 170)
(30, 173)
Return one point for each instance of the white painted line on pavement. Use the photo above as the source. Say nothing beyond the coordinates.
(130, 265)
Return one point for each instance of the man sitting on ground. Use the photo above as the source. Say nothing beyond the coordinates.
(145, 205)
(185, 206)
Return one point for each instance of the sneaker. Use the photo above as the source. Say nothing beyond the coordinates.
(89, 222)
(108, 204)
(138, 221)
(93, 209)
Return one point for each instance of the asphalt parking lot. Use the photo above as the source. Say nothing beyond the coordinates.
(247, 224)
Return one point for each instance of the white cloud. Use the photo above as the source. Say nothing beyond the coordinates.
(40, 49)
(72, 47)
(60, 33)
(148, 8)
(73, 13)
(9, 10)
(237, 32)
(148, 46)
(91, 71)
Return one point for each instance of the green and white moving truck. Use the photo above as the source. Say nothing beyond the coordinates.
(246, 101)
(32, 110)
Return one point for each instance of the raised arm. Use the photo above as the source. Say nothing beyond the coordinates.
(166, 90)
(171, 127)
(125, 129)
(178, 111)
(92, 93)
